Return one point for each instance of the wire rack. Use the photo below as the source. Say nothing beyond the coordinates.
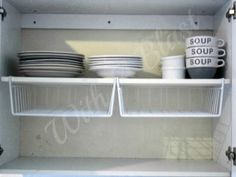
(165, 98)
(61, 97)
(88, 97)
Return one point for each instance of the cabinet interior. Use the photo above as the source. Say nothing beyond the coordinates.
(199, 140)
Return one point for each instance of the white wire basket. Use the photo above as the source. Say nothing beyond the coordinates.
(170, 98)
(62, 97)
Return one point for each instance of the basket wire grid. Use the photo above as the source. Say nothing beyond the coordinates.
(62, 100)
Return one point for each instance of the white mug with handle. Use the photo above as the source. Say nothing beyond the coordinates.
(204, 62)
(209, 41)
(205, 52)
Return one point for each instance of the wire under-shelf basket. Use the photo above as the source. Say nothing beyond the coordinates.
(168, 98)
(62, 97)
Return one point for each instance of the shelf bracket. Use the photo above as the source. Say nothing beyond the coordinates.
(231, 12)
(3, 12)
(231, 154)
(1, 150)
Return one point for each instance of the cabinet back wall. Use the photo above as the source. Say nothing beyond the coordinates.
(115, 137)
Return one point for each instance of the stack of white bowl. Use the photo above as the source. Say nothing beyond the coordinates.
(204, 56)
(173, 67)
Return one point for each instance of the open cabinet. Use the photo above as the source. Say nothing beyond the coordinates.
(93, 126)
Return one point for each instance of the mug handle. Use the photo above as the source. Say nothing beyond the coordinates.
(221, 42)
(222, 63)
(223, 52)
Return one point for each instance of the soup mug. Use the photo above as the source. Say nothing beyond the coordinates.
(204, 62)
(205, 52)
(208, 41)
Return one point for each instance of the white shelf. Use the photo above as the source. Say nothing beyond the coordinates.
(176, 82)
(115, 167)
(51, 80)
(133, 81)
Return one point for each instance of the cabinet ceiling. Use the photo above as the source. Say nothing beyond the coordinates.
(126, 7)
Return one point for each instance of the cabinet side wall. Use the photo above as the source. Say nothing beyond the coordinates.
(223, 126)
(10, 45)
(180, 138)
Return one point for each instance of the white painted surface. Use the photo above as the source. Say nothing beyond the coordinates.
(233, 90)
(10, 44)
(124, 22)
(151, 7)
(116, 137)
(115, 167)
(222, 126)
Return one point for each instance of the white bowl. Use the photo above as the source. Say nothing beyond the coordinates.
(173, 73)
(173, 61)
(115, 72)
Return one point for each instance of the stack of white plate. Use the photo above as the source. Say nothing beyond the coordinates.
(50, 64)
(115, 65)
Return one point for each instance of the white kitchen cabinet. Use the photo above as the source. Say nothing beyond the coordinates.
(187, 145)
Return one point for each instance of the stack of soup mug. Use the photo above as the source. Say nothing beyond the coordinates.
(203, 55)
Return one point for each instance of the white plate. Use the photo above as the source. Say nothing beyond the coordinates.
(115, 59)
(44, 52)
(41, 73)
(50, 65)
(114, 56)
(115, 67)
(40, 57)
(52, 60)
(115, 62)
(92, 67)
(50, 68)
